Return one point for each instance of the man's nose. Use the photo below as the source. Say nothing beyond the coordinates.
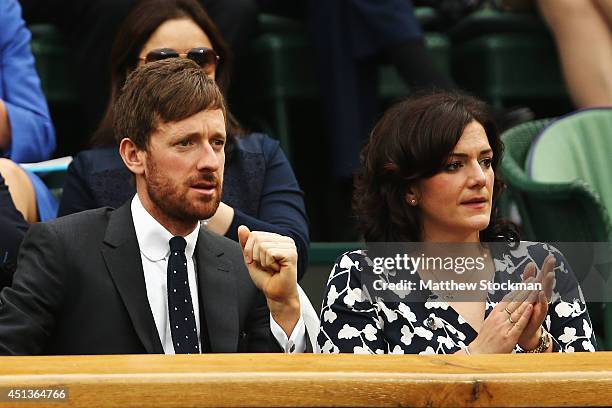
(208, 159)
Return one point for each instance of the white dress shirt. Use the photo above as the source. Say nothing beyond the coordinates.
(153, 241)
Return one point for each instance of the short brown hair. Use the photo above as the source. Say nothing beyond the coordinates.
(169, 90)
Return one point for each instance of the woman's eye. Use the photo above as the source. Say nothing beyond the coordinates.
(453, 166)
(487, 162)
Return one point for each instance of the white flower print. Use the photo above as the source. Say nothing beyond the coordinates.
(407, 335)
(423, 332)
(446, 341)
(329, 316)
(569, 349)
(397, 350)
(370, 332)
(332, 295)
(588, 331)
(564, 309)
(352, 296)
(346, 263)
(348, 332)
(404, 309)
(436, 304)
(428, 350)
(461, 335)
(587, 345)
(500, 265)
(569, 335)
(329, 347)
(361, 350)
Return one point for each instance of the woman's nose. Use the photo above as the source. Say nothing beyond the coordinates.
(477, 175)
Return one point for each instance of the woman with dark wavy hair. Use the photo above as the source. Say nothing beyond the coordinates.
(429, 177)
(259, 189)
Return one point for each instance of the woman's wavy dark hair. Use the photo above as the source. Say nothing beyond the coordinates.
(411, 142)
(135, 31)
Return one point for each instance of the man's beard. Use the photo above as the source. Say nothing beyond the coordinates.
(166, 196)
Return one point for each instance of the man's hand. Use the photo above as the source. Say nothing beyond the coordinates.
(272, 263)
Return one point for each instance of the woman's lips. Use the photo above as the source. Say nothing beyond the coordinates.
(476, 203)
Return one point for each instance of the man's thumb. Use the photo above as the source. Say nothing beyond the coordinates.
(243, 235)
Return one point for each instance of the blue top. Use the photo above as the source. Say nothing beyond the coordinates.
(258, 183)
(33, 137)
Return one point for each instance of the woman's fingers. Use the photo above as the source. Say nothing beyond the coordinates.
(517, 328)
(530, 271)
(548, 281)
(520, 297)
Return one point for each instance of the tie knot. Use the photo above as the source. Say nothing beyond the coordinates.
(177, 244)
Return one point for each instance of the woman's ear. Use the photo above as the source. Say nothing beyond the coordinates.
(133, 157)
(412, 196)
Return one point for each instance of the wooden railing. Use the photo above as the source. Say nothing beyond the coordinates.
(581, 379)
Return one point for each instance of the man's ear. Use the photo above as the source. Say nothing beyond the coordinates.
(133, 157)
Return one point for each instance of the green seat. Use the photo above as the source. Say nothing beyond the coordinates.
(326, 253)
(578, 147)
(568, 211)
(506, 58)
(281, 73)
(52, 64)
(541, 205)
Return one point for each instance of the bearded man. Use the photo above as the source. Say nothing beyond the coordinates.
(147, 278)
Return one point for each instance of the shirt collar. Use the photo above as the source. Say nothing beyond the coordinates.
(153, 238)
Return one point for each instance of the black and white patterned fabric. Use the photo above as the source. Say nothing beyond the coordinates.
(354, 321)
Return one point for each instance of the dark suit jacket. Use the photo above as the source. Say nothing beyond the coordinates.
(79, 288)
(12, 230)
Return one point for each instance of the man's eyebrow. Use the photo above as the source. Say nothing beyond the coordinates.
(180, 135)
(219, 134)
(459, 154)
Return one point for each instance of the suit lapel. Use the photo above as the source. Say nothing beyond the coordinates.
(217, 291)
(122, 256)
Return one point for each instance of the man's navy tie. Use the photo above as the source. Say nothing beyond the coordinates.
(180, 307)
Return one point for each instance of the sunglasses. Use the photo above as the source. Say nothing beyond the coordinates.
(206, 58)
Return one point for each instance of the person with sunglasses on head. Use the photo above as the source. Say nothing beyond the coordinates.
(260, 189)
(89, 29)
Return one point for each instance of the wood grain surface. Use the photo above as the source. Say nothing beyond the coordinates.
(581, 379)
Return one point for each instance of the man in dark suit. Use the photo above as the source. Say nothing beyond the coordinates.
(13, 227)
(145, 278)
